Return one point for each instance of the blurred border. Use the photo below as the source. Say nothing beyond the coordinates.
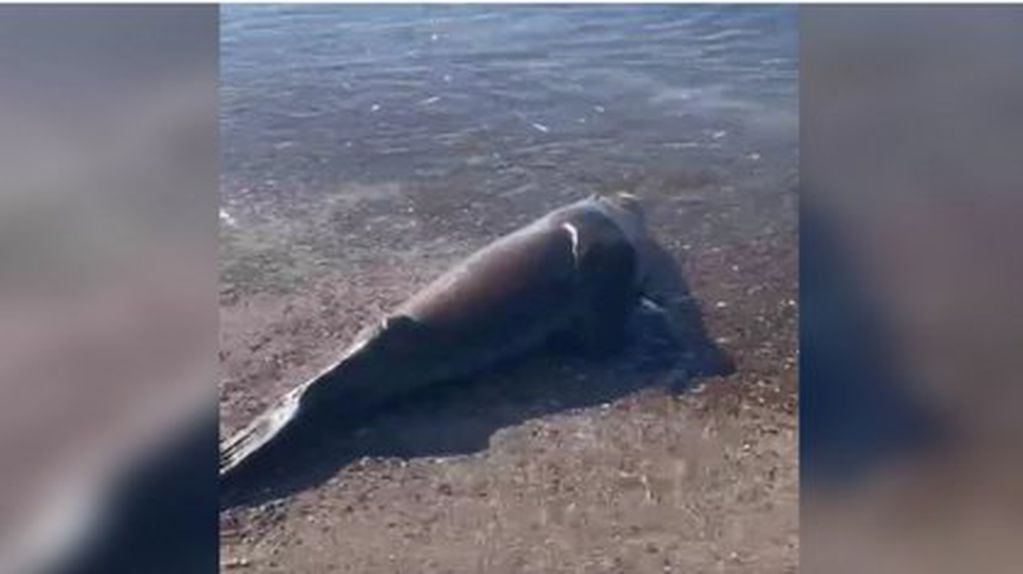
(910, 272)
(108, 282)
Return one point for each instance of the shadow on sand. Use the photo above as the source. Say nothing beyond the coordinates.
(665, 348)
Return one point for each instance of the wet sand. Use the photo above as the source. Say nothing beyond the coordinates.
(356, 171)
(549, 464)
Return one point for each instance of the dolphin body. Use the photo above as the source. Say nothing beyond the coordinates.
(578, 272)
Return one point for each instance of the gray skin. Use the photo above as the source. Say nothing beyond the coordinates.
(578, 271)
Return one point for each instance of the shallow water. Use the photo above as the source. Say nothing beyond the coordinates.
(348, 128)
(366, 148)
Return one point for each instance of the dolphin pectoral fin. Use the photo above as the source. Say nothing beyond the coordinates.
(258, 434)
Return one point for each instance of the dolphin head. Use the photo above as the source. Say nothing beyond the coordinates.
(627, 213)
(626, 210)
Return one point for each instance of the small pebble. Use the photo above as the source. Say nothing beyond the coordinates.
(236, 563)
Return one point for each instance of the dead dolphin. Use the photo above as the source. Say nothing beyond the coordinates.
(578, 271)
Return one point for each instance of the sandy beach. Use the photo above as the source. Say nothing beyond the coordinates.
(551, 463)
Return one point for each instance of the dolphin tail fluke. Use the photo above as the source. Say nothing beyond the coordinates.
(243, 445)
